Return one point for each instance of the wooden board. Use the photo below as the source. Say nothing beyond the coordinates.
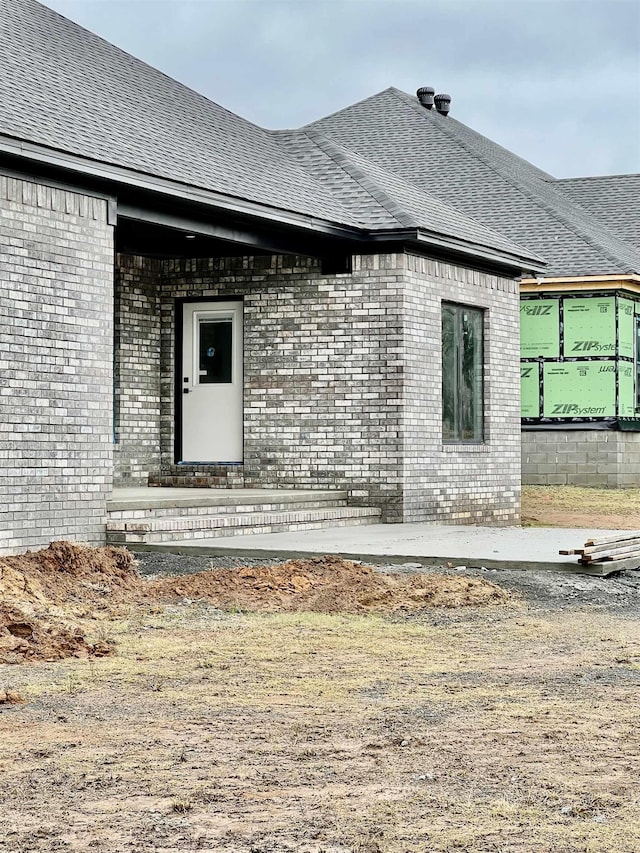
(632, 547)
(619, 555)
(621, 548)
(608, 540)
(611, 566)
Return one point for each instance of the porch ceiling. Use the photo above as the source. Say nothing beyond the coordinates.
(149, 226)
(160, 241)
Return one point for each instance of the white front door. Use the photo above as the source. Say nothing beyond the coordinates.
(211, 382)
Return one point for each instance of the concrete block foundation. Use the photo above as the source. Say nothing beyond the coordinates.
(589, 457)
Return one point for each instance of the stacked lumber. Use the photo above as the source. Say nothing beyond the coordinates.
(608, 549)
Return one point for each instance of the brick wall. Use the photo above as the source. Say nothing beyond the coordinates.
(606, 458)
(343, 383)
(321, 389)
(56, 290)
(137, 377)
(460, 483)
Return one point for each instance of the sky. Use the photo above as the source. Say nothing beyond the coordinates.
(556, 81)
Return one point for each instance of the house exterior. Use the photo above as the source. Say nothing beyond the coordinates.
(186, 298)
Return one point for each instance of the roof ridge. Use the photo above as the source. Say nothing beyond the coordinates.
(345, 109)
(598, 177)
(520, 185)
(336, 151)
(412, 102)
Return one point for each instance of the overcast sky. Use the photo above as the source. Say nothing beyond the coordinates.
(556, 81)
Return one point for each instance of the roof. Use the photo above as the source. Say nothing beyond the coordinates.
(63, 87)
(382, 200)
(613, 199)
(481, 179)
(66, 89)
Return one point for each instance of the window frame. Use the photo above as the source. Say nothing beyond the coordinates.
(477, 389)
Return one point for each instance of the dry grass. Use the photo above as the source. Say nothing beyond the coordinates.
(483, 730)
(573, 506)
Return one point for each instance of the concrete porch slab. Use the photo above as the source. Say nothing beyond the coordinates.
(491, 547)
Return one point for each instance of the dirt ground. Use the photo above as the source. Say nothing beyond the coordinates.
(316, 707)
(571, 506)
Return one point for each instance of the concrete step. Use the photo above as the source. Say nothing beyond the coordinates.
(218, 506)
(130, 499)
(179, 527)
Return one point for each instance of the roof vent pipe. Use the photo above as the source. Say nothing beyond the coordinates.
(443, 104)
(425, 96)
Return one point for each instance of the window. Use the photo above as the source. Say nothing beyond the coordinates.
(462, 368)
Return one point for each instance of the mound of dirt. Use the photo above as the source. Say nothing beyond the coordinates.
(30, 635)
(327, 585)
(45, 594)
(10, 697)
(68, 573)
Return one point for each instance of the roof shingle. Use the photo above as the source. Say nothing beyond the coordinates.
(64, 87)
(468, 171)
(613, 199)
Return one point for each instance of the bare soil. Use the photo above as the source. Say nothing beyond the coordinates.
(327, 585)
(315, 706)
(572, 506)
(44, 596)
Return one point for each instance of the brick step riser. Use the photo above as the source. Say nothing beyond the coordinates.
(198, 482)
(214, 520)
(165, 536)
(228, 509)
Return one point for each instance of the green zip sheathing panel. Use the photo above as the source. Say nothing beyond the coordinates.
(540, 328)
(626, 390)
(625, 328)
(578, 359)
(530, 390)
(579, 389)
(589, 327)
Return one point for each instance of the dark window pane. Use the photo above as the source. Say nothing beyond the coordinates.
(462, 373)
(470, 394)
(215, 351)
(449, 374)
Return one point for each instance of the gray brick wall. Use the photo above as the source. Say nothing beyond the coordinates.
(137, 377)
(321, 391)
(56, 291)
(605, 458)
(343, 385)
(458, 483)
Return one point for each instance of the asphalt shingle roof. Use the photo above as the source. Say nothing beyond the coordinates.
(613, 199)
(64, 87)
(382, 164)
(480, 178)
(381, 199)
